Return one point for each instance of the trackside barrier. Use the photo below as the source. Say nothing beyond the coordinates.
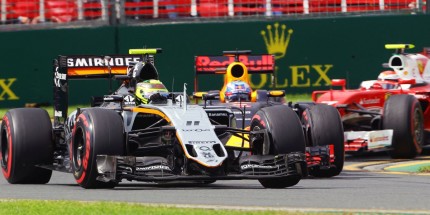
(54, 11)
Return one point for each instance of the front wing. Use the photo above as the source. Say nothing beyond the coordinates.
(116, 168)
(368, 141)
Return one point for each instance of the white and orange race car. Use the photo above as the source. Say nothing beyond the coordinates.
(161, 138)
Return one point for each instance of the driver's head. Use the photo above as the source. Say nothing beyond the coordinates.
(150, 91)
(237, 90)
(388, 76)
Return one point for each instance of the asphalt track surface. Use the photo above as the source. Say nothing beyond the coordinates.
(353, 189)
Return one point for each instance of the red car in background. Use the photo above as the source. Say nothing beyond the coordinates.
(391, 113)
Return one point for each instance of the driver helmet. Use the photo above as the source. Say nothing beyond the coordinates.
(237, 90)
(388, 76)
(152, 91)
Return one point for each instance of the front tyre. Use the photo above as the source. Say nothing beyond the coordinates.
(323, 126)
(403, 114)
(285, 130)
(26, 141)
(97, 131)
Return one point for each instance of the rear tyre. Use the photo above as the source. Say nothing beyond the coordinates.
(97, 131)
(403, 114)
(323, 126)
(286, 136)
(26, 141)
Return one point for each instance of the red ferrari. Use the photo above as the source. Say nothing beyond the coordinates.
(391, 113)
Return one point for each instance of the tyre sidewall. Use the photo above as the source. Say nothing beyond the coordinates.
(29, 143)
(284, 128)
(285, 135)
(101, 132)
(82, 169)
(6, 145)
(323, 126)
(399, 115)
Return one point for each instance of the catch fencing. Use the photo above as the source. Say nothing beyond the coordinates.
(16, 14)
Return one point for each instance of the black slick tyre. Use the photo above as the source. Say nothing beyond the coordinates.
(323, 126)
(404, 115)
(97, 131)
(26, 141)
(286, 136)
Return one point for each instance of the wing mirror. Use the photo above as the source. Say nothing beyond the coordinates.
(276, 93)
(339, 83)
(211, 96)
(199, 95)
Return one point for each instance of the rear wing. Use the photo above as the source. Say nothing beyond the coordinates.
(71, 67)
(95, 66)
(400, 48)
(218, 64)
(91, 66)
(66, 68)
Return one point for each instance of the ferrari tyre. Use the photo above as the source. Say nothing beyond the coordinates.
(404, 115)
(26, 141)
(286, 136)
(97, 131)
(323, 126)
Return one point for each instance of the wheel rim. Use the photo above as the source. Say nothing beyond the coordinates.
(4, 148)
(78, 149)
(418, 127)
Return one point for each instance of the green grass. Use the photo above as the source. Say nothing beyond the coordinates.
(305, 97)
(50, 110)
(30, 207)
(424, 169)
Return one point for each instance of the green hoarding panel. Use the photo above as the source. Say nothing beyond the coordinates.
(26, 61)
(309, 52)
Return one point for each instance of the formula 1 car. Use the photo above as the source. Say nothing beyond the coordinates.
(321, 123)
(388, 114)
(163, 139)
